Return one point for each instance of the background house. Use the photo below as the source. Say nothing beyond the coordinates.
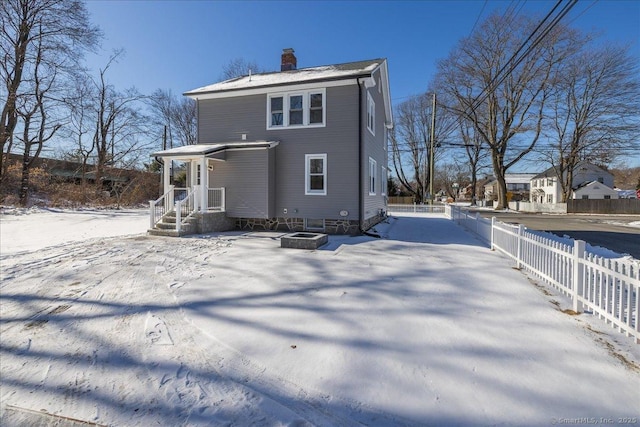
(593, 190)
(517, 187)
(546, 188)
(298, 149)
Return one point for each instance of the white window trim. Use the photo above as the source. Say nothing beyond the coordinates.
(373, 171)
(371, 112)
(307, 182)
(383, 181)
(386, 139)
(306, 109)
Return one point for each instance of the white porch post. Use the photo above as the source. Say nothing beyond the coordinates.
(204, 184)
(166, 185)
(194, 173)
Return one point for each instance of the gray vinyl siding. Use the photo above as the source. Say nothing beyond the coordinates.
(246, 177)
(374, 147)
(339, 141)
(224, 120)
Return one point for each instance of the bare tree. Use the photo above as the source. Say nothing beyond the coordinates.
(503, 100)
(58, 31)
(465, 142)
(81, 125)
(119, 124)
(239, 67)
(34, 111)
(593, 111)
(451, 176)
(411, 143)
(175, 116)
(184, 121)
(476, 154)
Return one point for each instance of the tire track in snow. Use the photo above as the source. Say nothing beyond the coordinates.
(197, 390)
(234, 366)
(193, 378)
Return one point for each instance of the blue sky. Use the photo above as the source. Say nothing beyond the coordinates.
(181, 45)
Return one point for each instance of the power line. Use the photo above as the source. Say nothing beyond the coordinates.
(515, 60)
(584, 11)
(479, 16)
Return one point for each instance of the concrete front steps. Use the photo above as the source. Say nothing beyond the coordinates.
(167, 226)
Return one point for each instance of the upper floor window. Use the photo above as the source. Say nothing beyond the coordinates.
(316, 108)
(276, 111)
(294, 110)
(371, 114)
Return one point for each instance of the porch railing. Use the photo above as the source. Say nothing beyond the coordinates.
(216, 199)
(185, 202)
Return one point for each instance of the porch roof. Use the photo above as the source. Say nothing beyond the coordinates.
(198, 150)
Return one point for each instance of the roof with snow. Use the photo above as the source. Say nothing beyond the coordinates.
(591, 184)
(302, 75)
(552, 172)
(514, 178)
(206, 149)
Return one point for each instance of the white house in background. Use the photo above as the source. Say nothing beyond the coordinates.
(589, 182)
(517, 184)
(594, 190)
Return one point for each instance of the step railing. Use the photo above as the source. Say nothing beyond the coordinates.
(185, 202)
(160, 207)
(186, 206)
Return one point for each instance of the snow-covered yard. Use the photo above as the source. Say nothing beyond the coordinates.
(422, 327)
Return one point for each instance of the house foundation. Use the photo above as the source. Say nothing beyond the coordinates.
(331, 226)
(207, 222)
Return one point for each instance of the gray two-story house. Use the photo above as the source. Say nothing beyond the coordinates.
(295, 150)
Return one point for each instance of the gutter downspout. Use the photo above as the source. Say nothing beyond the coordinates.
(360, 143)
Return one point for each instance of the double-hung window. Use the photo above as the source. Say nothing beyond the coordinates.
(371, 114)
(316, 108)
(315, 174)
(296, 109)
(383, 181)
(373, 168)
(276, 109)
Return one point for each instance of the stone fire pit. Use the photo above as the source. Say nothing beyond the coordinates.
(303, 240)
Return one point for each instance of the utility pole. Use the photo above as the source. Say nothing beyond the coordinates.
(432, 137)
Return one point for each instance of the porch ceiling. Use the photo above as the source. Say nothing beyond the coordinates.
(200, 150)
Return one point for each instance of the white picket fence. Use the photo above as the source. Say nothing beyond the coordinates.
(607, 287)
(435, 208)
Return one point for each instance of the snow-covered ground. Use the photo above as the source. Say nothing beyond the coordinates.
(37, 228)
(424, 326)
